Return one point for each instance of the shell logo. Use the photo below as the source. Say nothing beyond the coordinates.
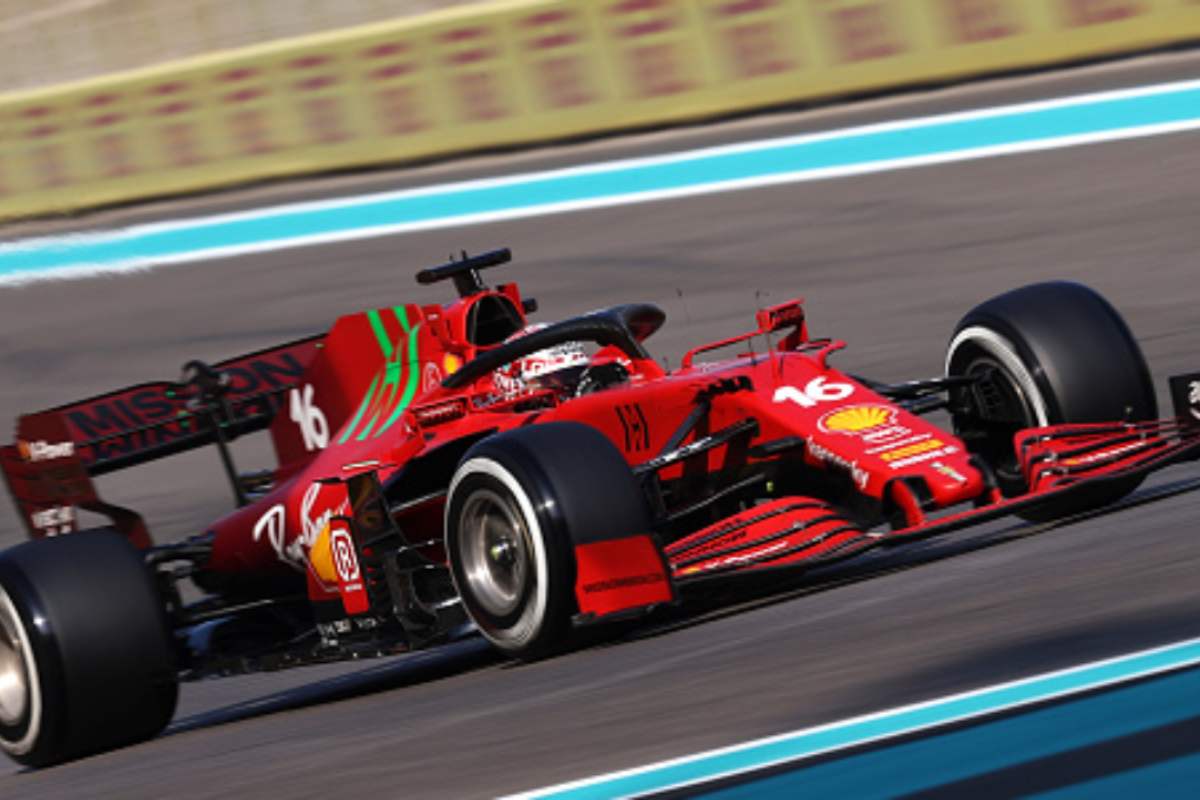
(857, 419)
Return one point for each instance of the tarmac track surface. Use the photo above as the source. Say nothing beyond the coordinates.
(887, 261)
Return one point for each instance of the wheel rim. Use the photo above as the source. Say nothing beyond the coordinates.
(1010, 403)
(1009, 411)
(14, 674)
(496, 557)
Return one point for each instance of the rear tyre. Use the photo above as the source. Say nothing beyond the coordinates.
(86, 660)
(1046, 354)
(518, 504)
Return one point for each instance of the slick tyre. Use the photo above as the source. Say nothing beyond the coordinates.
(518, 503)
(86, 661)
(1046, 354)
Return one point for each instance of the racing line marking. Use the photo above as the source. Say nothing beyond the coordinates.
(788, 747)
(1007, 130)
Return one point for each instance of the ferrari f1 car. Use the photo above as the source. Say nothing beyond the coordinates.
(445, 469)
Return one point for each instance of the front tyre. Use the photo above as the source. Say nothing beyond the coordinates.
(86, 660)
(518, 503)
(1045, 354)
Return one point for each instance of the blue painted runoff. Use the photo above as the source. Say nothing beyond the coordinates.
(772, 158)
(794, 746)
(932, 761)
(1166, 780)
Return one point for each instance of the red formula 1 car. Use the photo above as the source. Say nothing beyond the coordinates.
(446, 468)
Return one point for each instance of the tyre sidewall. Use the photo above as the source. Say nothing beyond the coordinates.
(1078, 362)
(98, 632)
(36, 736)
(553, 569)
(1077, 349)
(574, 488)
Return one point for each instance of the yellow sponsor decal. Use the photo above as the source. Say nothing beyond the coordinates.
(912, 450)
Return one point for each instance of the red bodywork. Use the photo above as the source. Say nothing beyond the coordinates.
(369, 397)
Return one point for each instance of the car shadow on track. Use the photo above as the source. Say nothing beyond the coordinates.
(387, 675)
(1131, 631)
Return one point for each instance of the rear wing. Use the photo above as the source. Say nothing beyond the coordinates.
(58, 451)
(151, 420)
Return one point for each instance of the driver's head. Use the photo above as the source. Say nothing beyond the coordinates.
(557, 367)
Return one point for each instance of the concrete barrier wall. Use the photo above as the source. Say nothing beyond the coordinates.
(513, 73)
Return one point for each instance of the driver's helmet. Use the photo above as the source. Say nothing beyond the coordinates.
(557, 367)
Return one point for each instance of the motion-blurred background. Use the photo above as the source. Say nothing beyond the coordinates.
(113, 101)
(42, 44)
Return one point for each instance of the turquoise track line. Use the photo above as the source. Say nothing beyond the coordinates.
(830, 738)
(1056, 123)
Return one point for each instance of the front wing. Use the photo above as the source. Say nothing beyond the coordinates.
(1062, 464)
